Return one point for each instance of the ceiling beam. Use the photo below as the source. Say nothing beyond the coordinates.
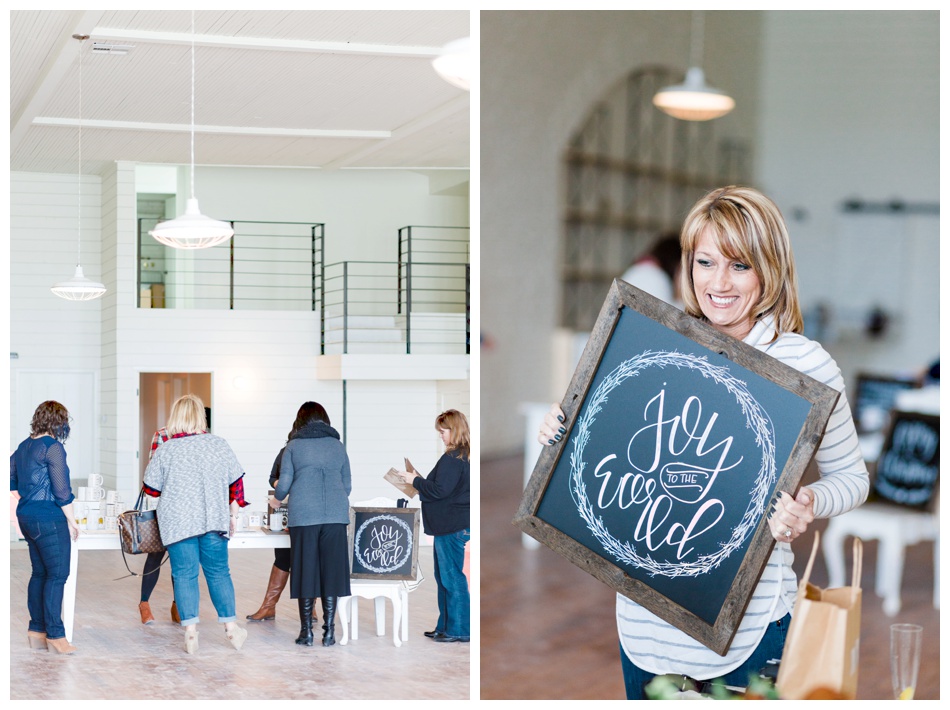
(456, 105)
(60, 60)
(263, 43)
(224, 130)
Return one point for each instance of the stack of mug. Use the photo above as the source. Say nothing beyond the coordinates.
(96, 508)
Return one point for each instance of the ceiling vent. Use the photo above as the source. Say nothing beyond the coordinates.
(107, 48)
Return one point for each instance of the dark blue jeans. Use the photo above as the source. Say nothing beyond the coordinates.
(49, 545)
(771, 646)
(448, 555)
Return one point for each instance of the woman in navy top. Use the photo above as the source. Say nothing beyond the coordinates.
(40, 478)
(445, 515)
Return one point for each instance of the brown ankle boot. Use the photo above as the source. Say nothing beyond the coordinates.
(145, 611)
(175, 617)
(275, 587)
(61, 645)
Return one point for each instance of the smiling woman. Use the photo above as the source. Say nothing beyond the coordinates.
(739, 276)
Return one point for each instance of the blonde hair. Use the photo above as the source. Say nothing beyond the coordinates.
(457, 425)
(747, 227)
(187, 416)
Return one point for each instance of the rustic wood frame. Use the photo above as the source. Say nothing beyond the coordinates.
(351, 540)
(822, 399)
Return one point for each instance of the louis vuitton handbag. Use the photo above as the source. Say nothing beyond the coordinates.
(138, 531)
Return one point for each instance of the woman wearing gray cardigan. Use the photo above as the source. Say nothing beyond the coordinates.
(315, 473)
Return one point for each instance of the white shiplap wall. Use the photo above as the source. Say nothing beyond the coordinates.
(275, 353)
(47, 333)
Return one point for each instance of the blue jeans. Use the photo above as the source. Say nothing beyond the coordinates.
(771, 646)
(448, 556)
(49, 546)
(210, 552)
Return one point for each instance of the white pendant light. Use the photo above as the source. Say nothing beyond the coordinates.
(454, 64)
(79, 288)
(192, 230)
(693, 100)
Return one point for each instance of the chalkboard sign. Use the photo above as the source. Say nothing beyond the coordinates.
(677, 438)
(874, 399)
(385, 543)
(908, 469)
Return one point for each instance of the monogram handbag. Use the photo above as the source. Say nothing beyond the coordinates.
(138, 531)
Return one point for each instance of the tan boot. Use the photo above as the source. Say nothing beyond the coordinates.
(275, 587)
(175, 617)
(61, 645)
(145, 611)
(37, 639)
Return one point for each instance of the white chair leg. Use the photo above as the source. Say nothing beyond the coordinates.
(344, 604)
(832, 545)
(890, 571)
(380, 615)
(404, 596)
(397, 616)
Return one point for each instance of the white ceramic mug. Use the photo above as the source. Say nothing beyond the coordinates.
(94, 480)
(94, 494)
(112, 496)
(276, 520)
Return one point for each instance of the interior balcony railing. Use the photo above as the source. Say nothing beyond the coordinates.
(433, 245)
(429, 312)
(264, 266)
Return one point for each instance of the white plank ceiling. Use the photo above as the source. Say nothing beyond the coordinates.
(334, 89)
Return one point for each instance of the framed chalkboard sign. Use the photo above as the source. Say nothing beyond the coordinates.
(874, 399)
(908, 469)
(677, 438)
(384, 543)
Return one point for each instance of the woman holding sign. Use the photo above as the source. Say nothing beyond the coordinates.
(738, 275)
(315, 473)
(445, 516)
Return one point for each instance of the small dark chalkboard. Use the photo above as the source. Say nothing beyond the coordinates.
(384, 543)
(908, 469)
(874, 399)
(677, 438)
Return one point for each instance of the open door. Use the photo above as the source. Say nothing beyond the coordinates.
(157, 392)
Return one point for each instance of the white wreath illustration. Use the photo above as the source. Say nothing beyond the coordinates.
(756, 420)
(396, 565)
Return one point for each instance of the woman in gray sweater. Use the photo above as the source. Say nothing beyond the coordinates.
(315, 473)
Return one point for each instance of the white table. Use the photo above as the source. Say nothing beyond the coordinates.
(109, 540)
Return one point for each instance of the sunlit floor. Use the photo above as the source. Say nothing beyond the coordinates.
(119, 658)
(548, 629)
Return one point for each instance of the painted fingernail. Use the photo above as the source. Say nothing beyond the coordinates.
(560, 417)
(551, 441)
(557, 437)
(562, 430)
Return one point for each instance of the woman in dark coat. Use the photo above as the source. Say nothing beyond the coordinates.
(315, 473)
(445, 515)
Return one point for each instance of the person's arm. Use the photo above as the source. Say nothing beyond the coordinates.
(442, 481)
(282, 489)
(347, 480)
(275, 469)
(59, 485)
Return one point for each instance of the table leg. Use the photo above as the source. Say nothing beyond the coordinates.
(69, 591)
(404, 596)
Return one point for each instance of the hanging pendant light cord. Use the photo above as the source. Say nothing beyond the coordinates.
(192, 104)
(696, 54)
(82, 39)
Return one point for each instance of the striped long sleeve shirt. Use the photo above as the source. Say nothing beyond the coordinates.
(656, 646)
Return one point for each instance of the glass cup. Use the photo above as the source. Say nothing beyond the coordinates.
(905, 659)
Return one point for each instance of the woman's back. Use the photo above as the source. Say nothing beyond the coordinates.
(316, 474)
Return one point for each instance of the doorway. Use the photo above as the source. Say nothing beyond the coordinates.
(157, 392)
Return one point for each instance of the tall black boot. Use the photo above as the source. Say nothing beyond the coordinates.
(329, 615)
(305, 607)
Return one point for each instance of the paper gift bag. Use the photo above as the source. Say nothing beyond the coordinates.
(821, 650)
